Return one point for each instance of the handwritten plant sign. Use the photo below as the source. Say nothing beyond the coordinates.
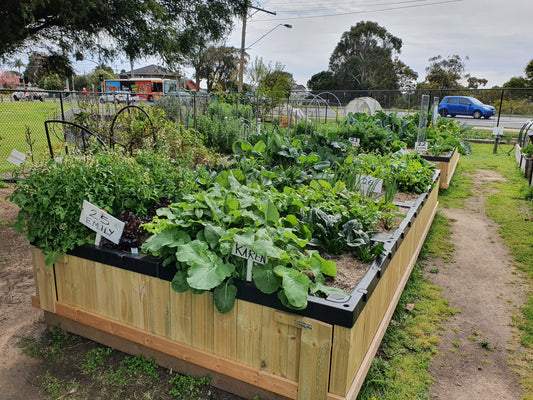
(101, 222)
(250, 255)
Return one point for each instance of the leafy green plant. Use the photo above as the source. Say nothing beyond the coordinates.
(96, 359)
(134, 367)
(52, 194)
(188, 387)
(528, 150)
(198, 235)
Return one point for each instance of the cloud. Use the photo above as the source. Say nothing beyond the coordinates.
(493, 35)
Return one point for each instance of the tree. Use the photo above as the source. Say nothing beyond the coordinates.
(41, 65)
(276, 85)
(474, 83)
(325, 80)
(219, 66)
(9, 80)
(529, 71)
(18, 64)
(53, 82)
(135, 27)
(444, 73)
(406, 76)
(364, 52)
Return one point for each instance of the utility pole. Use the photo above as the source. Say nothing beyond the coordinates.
(243, 38)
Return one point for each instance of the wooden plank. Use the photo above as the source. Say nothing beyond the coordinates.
(225, 333)
(249, 317)
(44, 280)
(269, 343)
(156, 306)
(202, 310)
(202, 358)
(315, 353)
(180, 315)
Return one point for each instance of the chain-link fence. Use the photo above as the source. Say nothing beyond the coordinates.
(23, 113)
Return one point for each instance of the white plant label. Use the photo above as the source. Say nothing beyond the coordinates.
(355, 141)
(250, 255)
(101, 222)
(16, 158)
(368, 183)
(497, 131)
(421, 146)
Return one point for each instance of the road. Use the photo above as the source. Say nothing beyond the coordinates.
(505, 121)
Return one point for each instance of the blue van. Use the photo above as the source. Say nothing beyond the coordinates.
(464, 105)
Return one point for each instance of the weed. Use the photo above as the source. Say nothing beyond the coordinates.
(434, 271)
(187, 386)
(96, 359)
(486, 346)
(58, 340)
(456, 344)
(134, 367)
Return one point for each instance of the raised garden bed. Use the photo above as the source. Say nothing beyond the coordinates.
(446, 164)
(259, 347)
(525, 163)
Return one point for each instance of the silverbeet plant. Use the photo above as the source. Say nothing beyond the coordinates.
(197, 236)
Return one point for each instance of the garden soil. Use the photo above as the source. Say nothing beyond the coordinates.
(473, 355)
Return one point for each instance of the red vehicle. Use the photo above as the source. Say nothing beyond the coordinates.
(146, 88)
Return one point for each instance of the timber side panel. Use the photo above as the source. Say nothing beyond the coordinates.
(180, 315)
(202, 313)
(447, 170)
(45, 286)
(156, 306)
(348, 371)
(315, 353)
(225, 333)
(249, 328)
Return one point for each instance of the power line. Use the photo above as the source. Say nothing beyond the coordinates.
(368, 11)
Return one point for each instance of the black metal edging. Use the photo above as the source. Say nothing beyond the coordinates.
(439, 158)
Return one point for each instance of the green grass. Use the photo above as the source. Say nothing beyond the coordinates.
(15, 119)
(400, 370)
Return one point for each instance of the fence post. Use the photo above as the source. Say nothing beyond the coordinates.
(61, 104)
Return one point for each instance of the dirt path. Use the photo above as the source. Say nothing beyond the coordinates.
(481, 282)
(18, 318)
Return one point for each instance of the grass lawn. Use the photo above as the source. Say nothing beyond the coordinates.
(16, 119)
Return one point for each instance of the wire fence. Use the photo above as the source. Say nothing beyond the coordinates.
(23, 113)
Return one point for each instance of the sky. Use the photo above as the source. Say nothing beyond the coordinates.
(494, 35)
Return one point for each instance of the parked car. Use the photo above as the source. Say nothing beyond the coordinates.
(464, 105)
(118, 97)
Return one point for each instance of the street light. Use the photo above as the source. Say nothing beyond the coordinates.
(243, 49)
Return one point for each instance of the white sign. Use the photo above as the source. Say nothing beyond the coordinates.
(101, 222)
(16, 157)
(497, 131)
(355, 141)
(421, 146)
(369, 183)
(250, 255)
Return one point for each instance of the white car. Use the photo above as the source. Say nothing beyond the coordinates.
(118, 97)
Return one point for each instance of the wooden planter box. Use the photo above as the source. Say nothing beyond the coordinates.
(446, 164)
(525, 163)
(260, 347)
